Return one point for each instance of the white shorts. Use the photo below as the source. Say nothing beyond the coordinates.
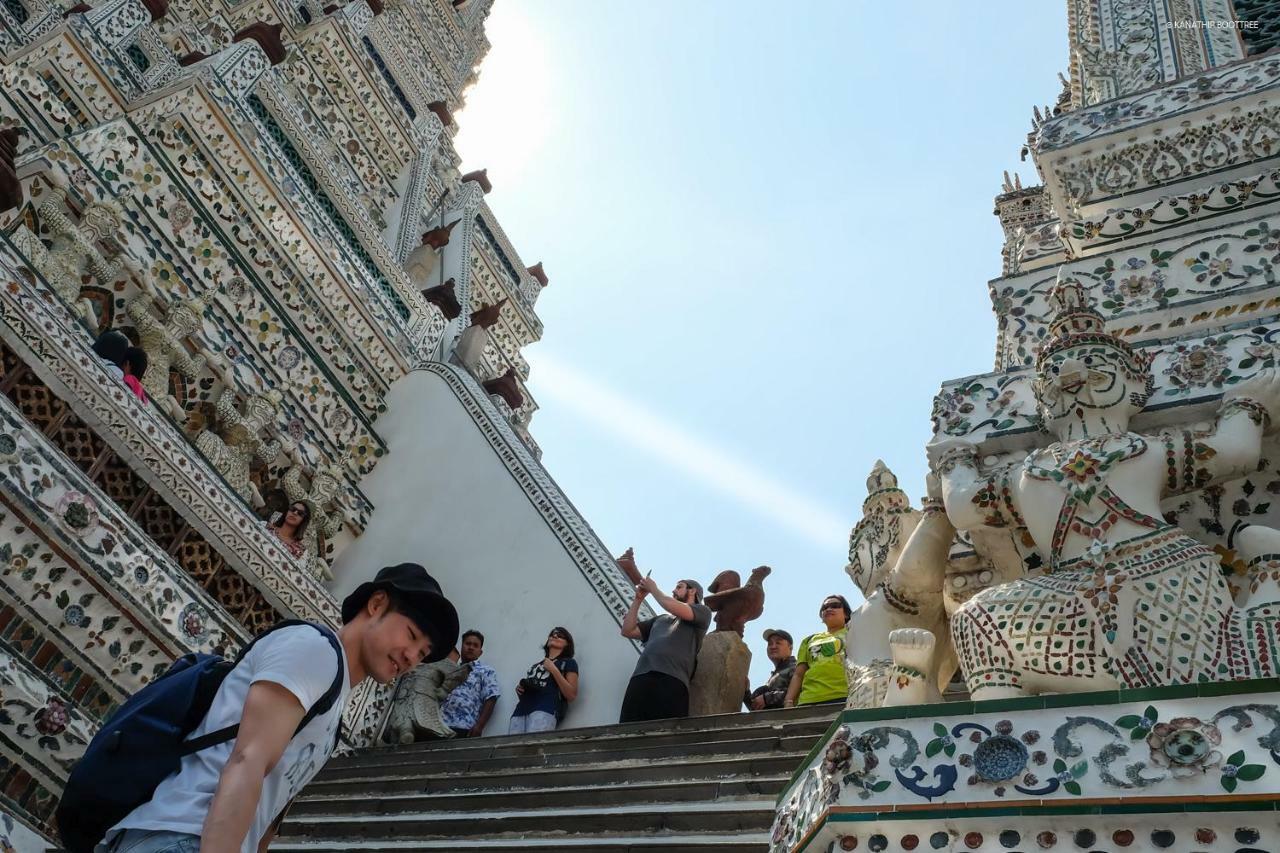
(534, 721)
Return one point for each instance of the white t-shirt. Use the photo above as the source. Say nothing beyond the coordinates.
(302, 661)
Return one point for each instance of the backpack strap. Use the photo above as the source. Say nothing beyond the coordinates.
(322, 705)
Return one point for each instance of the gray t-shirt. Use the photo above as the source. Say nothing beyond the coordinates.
(671, 644)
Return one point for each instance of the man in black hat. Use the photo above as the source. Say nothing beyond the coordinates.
(229, 797)
(772, 693)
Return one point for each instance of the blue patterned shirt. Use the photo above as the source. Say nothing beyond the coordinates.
(461, 708)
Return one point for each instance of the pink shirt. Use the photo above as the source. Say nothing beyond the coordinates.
(136, 387)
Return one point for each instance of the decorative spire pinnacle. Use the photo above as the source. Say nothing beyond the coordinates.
(537, 272)
(1077, 322)
(881, 477)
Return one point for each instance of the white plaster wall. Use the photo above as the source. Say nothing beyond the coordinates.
(444, 499)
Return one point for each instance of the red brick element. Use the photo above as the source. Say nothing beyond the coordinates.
(506, 387)
(10, 186)
(441, 109)
(537, 272)
(481, 177)
(157, 8)
(78, 9)
(443, 297)
(268, 36)
(192, 58)
(375, 6)
(488, 315)
(438, 237)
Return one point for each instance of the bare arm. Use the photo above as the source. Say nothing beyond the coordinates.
(271, 715)
(920, 572)
(631, 621)
(973, 499)
(676, 608)
(797, 682)
(568, 684)
(1233, 449)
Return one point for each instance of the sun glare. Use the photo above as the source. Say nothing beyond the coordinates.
(507, 117)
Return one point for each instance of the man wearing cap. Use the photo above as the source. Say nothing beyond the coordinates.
(773, 691)
(659, 686)
(229, 797)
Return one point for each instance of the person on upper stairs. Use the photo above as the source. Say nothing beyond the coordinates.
(548, 687)
(290, 527)
(820, 673)
(659, 686)
(469, 706)
(773, 692)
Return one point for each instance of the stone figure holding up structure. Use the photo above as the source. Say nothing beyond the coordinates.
(1129, 600)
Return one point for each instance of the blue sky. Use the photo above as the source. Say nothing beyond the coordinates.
(768, 230)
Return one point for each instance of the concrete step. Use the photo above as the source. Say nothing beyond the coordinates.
(406, 780)
(515, 746)
(636, 751)
(723, 818)
(475, 802)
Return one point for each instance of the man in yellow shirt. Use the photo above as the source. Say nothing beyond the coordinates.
(820, 674)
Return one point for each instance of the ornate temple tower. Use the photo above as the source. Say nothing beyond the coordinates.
(1126, 669)
(265, 197)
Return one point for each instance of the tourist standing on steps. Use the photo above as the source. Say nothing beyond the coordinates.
(134, 366)
(773, 692)
(548, 687)
(820, 675)
(291, 526)
(468, 708)
(229, 797)
(659, 686)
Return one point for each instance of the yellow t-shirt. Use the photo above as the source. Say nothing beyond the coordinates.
(825, 680)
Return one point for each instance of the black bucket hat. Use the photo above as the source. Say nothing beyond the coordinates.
(419, 598)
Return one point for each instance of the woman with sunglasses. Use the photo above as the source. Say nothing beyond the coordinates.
(820, 675)
(548, 687)
(289, 528)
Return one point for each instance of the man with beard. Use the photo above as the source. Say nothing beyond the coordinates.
(659, 686)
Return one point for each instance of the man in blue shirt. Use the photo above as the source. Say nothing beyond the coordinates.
(468, 708)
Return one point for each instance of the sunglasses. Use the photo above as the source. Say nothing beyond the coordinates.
(558, 634)
(831, 605)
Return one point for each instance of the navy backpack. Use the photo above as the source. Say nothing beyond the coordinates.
(144, 741)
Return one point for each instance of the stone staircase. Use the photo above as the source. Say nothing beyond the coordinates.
(676, 786)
